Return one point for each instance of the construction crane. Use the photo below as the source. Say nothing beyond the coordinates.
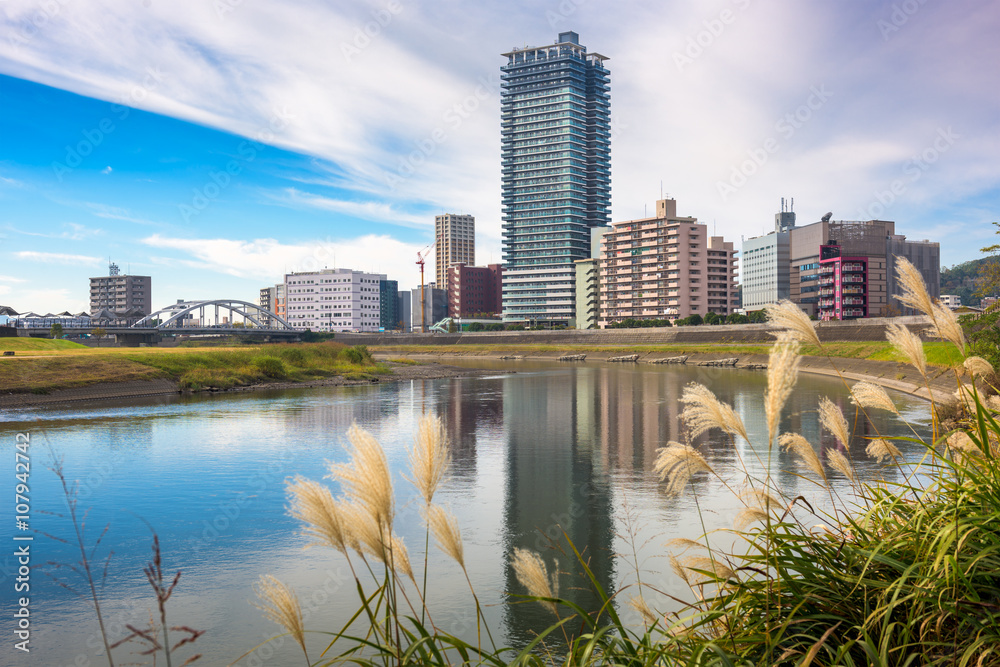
(421, 256)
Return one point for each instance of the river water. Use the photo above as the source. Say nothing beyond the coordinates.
(541, 451)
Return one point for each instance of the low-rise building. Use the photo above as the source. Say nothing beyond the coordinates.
(334, 300)
(951, 301)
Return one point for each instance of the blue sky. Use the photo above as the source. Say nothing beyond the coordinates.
(216, 145)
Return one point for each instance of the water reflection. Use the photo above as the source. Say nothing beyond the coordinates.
(550, 449)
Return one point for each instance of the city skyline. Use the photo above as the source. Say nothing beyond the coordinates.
(216, 168)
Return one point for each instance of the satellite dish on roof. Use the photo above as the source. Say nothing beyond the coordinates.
(826, 218)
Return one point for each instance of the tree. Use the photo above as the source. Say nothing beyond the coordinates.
(695, 320)
(737, 318)
(757, 317)
(98, 333)
(712, 318)
(989, 271)
(477, 326)
(55, 330)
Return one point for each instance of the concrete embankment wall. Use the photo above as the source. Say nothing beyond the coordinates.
(743, 334)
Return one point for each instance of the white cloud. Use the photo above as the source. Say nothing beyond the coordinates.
(74, 232)
(268, 260)
(11, 279)
(57, 258)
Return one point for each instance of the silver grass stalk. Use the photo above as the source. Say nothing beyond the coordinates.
(367, 535)
(993, 403)
(748, 516)
(720, 571)
(840, 463)
(908, 344)
(365, 479)
(648, 615)
(679, 569)
(796, 444)
(782, 373)
(871, 396)
(832, 418)
(280, 605)
(314, 505)
(961, 442)
(977, 366)
(793, 319)
(880, 449)
(914, 291)
(684, 544)
(444, 525)
(947, 327)
(675, 464)
(761, 499)
(531, 572)
(399, 557)
(430, 456)
(704, 412)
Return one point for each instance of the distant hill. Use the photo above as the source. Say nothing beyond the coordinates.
(963, 279)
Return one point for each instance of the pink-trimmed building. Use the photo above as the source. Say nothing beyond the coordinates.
(843, 285)
(665, 267)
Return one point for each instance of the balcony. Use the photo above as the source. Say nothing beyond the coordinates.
(826, 270)
(853, 279)
(853, 267)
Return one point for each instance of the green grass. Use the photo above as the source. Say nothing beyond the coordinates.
(38, 344)
(938, 353)
(192, 368)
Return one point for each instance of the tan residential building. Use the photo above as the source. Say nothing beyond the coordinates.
(666, 267)
(454, 242)
(121, 293)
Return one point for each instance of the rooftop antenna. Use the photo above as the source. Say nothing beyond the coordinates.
(793, 204)
(661, 188)
(782, 204)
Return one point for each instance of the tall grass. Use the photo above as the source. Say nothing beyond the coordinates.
(897, 573)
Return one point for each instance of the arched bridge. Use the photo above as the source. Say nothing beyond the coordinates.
(181, 315)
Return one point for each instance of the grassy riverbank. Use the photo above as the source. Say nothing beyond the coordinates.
(48, 365)
(938, 353)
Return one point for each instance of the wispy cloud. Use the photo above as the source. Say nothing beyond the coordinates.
(368, 210)
(268, 260)
(117, 213)
(11, 279)
(57, 258)
(74, 232)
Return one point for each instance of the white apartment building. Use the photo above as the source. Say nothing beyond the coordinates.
(952, 301)
(333, 300)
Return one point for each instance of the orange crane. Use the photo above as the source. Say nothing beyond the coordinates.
(421, 256)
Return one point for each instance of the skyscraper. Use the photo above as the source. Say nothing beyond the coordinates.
(556, 149)
(454, 242)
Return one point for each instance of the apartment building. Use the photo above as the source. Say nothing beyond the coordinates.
(765, 265)
(334, 300)
(474, 290)
(120, 293)
(665, 267)
(454, 242)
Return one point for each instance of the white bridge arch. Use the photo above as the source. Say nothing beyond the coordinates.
(248, 311)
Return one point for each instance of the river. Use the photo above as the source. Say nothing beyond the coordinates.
(539, 449)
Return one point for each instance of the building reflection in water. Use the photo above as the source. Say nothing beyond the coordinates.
(555, 485)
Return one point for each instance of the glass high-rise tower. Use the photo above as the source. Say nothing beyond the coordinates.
(556, 147)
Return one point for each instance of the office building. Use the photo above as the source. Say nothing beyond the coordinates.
(556, 171)
(872, 246)
(403, 308)
(118, 294)
(665, 267)
(334, 300)
(454, 242)
(764, 264)
(389, 305)
(474, 290)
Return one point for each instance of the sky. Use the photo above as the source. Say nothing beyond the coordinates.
(217, 144)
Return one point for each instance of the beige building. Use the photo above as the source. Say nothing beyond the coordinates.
(119, 293)
(454, 242)
(665, 267)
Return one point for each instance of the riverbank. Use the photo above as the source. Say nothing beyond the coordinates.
(395, 372)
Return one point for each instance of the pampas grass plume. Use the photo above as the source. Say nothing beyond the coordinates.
(444, 525)
(314, 505)
(748, 516)
(533, 575)
(840, 463)
(796, 444)
(366, 479)
(280, 604)
(790, 317)
(832, 418)
(880, 449)
(914, 291)
(978, 366)
(648, 615)
(703, 563)
(908, 344)
(430, 456)
(704, 411)
(782, 373)
(675, 464)
(947, 327)
(871, 396)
